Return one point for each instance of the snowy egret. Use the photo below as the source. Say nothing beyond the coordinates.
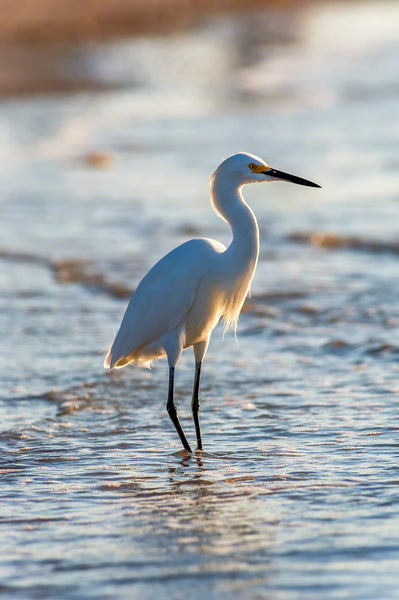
(183, 297)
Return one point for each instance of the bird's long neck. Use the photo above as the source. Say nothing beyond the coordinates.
(228, 202)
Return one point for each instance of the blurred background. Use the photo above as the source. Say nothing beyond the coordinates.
(113, 116)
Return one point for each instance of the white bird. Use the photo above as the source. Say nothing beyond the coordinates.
(185, 295)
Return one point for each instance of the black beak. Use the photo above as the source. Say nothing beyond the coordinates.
(293, 178)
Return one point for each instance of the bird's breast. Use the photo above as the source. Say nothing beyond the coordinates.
(205, 312)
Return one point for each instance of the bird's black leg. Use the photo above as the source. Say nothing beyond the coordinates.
(173, 412)
(195, 405)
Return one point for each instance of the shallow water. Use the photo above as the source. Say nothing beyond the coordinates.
(296, 494)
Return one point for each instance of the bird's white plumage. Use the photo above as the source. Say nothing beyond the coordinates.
(187, 292)
(165, 302)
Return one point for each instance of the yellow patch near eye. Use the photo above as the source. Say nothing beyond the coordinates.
(258, 168)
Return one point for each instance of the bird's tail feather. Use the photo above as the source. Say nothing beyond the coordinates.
(108, 360)
(111, 362)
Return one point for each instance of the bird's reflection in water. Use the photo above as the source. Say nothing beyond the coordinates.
(188, 460)
(222, 516)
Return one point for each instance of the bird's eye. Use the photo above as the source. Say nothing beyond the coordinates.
(253, 166)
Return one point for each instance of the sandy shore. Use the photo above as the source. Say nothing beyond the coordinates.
(36, 41)
(44, 21)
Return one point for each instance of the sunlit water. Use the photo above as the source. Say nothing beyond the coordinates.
(296, 494)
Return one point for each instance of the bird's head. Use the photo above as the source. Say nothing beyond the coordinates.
(246, 168)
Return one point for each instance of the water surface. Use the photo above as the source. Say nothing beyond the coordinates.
(296, 493)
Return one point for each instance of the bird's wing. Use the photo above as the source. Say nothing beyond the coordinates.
(161, 300)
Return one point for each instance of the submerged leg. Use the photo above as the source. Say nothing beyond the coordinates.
(173, 412)
(195, 405)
